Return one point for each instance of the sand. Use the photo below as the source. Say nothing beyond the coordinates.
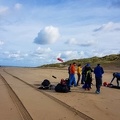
(32, 103)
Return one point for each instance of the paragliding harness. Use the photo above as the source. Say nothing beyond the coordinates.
(63, 86)
(45, 84)
(88, 80)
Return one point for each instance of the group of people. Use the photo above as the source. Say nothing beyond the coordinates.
(86, 73)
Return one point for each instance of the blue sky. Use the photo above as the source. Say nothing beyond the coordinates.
(37, 32)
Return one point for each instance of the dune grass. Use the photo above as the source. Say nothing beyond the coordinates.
(112, 60)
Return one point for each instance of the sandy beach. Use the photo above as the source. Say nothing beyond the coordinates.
(22, 100)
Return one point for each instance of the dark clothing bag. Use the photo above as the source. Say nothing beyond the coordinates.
(62, 88)
(45, 84)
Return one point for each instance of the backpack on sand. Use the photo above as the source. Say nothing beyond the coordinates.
(62, 87)
(45, 84)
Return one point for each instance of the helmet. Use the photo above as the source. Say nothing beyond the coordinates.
(105, 84)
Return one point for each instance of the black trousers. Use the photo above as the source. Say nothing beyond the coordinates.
(78, 79)
(98, 83)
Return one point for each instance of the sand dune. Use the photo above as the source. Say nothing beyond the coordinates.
(48, 104)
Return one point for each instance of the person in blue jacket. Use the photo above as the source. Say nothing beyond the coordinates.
(98, 71)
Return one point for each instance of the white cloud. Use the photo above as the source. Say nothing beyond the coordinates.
(48, 35)
(18, 6)
(110, 26)
(41, 53)
(69, 55)
(40, 50)
(71, 41)
(15, 55)
(3, 10)
(83, 43)
(87, 43)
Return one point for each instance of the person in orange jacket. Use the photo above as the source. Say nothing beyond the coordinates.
(72, 75)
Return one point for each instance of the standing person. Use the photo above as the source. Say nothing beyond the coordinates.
(83, 74)
(72, 75)
(98, 71)
(88, 77)
(69, 71)
(79, 71)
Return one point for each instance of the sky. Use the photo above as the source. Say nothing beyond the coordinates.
(37, 32)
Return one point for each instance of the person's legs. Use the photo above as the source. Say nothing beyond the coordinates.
(78, 79)
(85, 85)
(118, 82)
(72, 80)
(69, 76)
(98, 84)
(89, 84)
(83, 79)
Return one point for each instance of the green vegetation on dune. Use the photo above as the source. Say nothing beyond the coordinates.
(106, 61)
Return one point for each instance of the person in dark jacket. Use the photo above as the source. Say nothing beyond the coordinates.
(84, 72)
(83, 75)
(69, 71)
(98, 71)
(117, 76)
(88, 77)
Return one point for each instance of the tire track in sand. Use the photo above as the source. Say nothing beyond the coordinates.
(22, 110)
(82, 115)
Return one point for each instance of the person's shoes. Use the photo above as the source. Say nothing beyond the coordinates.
(90, 87)
(97, 92)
